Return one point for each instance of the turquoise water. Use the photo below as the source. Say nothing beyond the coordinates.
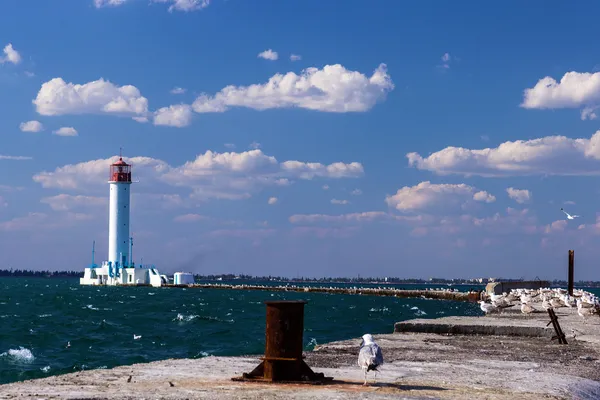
(40, 317)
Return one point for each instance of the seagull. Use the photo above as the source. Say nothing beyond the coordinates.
(136, 337)
(488, 308)
(369, 356)
(569, 216)
(526, 308)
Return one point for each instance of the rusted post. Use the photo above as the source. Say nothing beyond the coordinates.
(554, 321)
(571, 270)
(283, 360)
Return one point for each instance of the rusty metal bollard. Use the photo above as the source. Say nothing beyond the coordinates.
(283, 361)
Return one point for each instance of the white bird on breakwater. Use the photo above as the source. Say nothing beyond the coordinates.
(488, 308)
(569, 216)
(526, 308)
(370, 356)
(556, 303)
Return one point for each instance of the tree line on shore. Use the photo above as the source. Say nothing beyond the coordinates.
(231, 277)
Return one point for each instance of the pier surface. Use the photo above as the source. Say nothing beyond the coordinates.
(510, 323)
(418, 366)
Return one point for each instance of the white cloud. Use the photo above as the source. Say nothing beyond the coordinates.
(93, 173)
(31, 126)
(484, 196)
(175, 5)
(268, 55)
(254, 145)
(15, 158)
(226, 175)
(331, 89)
(66, 131)
(36, 222)
(339, 202)
(356, 192)
(519, 195)
(446, 58)
(10, 55)
(32, 220)
(272, 200)
(556, 226)
(190, 218)
(325, 187)
(108, 3)
(368, 216)
(179, 116)
(229, 145)
(295, 57)
(178, 90)
(550, 155)
(575, 90)
(56, 97)
(66, 202)
(336, 170)
(426, 195)
(589, 113)
(185, 5)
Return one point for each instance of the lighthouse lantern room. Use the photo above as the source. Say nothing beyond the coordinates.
(120, 269)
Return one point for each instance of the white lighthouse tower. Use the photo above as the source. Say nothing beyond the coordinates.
(120, 269)
(118, 214)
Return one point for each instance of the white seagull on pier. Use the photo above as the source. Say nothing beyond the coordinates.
(369, 356)
(569, 216)
(488, 308)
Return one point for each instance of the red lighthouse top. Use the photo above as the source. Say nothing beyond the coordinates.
(120, 171)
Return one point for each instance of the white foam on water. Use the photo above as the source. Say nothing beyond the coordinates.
(46, 368)
(20, 355)
(184, 318)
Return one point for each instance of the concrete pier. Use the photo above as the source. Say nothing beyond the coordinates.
(380, 291)
(510, 323)
(418, 365)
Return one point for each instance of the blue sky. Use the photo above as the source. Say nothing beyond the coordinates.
(403, 139)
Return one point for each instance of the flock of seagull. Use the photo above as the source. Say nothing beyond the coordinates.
(587, 303)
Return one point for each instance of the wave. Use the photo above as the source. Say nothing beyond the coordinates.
(19, 355)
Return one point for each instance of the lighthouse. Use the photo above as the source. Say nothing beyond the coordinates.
(119, 269)
(118, 214)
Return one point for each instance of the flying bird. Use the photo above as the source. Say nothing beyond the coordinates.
(569, 216)
(369, 356)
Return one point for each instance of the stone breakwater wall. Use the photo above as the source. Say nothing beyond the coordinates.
(381, 291)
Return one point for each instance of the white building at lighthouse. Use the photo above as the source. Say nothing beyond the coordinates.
(120, 269)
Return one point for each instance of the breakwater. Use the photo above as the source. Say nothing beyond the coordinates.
(440, 294)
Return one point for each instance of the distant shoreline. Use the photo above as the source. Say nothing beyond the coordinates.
(334, 280)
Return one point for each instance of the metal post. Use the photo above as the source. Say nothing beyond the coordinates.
(571, 270)
(283, 360)
(94, 254)
(131, 252)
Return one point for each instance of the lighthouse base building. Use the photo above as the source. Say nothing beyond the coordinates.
(120, 268)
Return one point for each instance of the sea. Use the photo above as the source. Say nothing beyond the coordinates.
(55, 326)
